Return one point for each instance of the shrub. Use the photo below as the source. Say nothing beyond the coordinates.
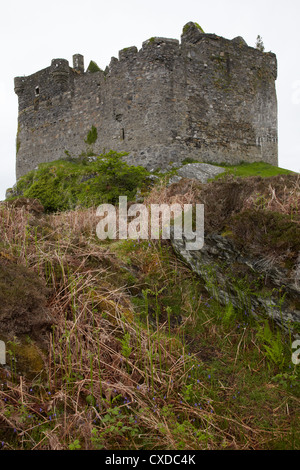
(92, 136)
(93, 67)
(63, 185)
(259, 44)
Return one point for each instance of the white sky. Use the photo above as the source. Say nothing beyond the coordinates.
(33, 32)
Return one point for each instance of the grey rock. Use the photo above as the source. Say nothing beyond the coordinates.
(200, 171)
(9, 193)
(239, 40)
(219, 253)
(174, 179)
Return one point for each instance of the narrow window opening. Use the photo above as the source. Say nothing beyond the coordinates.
(123, 133)
(37, 91)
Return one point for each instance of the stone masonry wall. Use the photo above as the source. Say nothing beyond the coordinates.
(207, 98)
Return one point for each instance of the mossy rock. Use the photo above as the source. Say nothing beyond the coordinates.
(23, 300)
(23, 356)
(192, 25)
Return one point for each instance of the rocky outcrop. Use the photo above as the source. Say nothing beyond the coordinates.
(199, 171)
(247, 282)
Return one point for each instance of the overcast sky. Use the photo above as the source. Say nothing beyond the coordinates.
(33, 32)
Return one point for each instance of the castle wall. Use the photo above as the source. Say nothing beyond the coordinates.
(207, 98)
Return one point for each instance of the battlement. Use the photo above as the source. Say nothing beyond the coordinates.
(204, 97)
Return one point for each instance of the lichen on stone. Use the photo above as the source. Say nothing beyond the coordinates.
(190, 25)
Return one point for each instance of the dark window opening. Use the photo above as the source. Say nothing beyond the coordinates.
(123, 133)
(37, 91)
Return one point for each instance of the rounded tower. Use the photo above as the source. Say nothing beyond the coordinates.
(60, 72)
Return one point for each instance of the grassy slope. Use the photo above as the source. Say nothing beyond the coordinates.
(262, 169)
(140, 356)
(67, 184)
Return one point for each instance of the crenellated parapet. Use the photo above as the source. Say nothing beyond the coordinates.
(60, 72)
(156, 43)
(78, 63)
(128, 53)
(191, 33)
(204, 97)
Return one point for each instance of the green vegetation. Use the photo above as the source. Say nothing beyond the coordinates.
(259, 44)
(188, 160)
(141, 353)
(199, 27)
(63, 185)
(253, 169)
(92, 136)
(190, 25)
(155, 364)
(93, 67)
(244, 169)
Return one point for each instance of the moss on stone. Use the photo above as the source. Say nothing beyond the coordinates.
(190, 25)
(92, 136)
(24, 357)
(93, 67)
(199, 27)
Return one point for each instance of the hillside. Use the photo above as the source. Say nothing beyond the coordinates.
(137, 344)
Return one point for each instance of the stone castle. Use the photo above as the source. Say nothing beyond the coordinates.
(206, 98)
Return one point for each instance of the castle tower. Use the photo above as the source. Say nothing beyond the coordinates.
(60, 72)
(78, 62)
(207, 98)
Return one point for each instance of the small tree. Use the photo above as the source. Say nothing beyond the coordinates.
(259, 44)
(93, 67)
